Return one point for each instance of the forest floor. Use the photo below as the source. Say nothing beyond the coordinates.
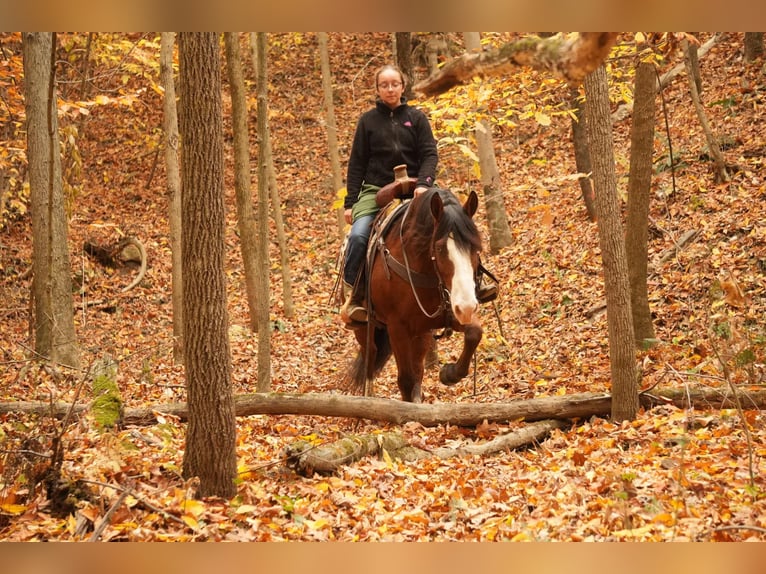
(672, 474)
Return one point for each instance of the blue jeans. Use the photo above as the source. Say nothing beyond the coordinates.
(356, 248)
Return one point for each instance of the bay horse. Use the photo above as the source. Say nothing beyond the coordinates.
(420, 277)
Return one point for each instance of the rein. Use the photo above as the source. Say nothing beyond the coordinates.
(438, 283)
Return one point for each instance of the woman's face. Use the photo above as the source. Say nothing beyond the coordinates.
(390, 88)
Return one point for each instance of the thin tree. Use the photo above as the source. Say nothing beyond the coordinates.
(403, 59)
(719, 165)
(276, 204)
(500, 235)
(264, 328)
(246, 218)
(210, 451)
(620, 326)
(332, 126)
(53, 317)
(639, 184)
(170, 125)
(753, 46)
(581, 151)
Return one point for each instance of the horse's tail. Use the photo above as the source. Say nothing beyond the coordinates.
(377, 354)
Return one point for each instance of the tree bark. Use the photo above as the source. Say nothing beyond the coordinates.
(332, 127)
(753, 45)
(170, 125)
(276, 205)
(500, 235)
(719, 165)
(574, 406)
(264, 329)
(246, 219)
(619, 319)
(211, 434)
(570, 58)
(582, 153)
(639, 184)
(403, 59)
(54, 330)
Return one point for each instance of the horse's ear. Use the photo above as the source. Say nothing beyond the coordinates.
(437, 206)
(471, 204)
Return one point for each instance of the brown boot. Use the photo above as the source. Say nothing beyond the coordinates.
(353, 310)
(486, 291)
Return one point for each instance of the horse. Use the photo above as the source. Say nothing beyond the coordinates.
(420, 278)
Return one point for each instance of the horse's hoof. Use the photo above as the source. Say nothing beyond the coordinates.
(448, 376)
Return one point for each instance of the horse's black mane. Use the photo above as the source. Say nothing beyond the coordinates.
(455, 220)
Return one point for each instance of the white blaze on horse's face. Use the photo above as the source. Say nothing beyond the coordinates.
(463, 292)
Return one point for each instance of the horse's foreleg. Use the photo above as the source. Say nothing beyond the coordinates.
(451, 373)
(409, 353)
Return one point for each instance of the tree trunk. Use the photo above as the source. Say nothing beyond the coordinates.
(403, 59)
(54, 330)
(264, 328)
(276, 204)
(332, 127)
(582, 153)
(500, 235)
(621, 352)
(246, 219)
(211, 434)
(639, 187)
(170, 125)
(694, 60)
(719, 165)
(579, 405)
(753, 45)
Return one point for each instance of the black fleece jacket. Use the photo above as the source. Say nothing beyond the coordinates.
(386, 138)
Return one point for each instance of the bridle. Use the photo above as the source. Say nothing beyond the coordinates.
(444, 299)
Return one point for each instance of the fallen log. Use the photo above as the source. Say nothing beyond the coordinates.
(306, 459)
(579, 405)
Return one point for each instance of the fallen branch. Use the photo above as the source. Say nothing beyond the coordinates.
(569, 58)
(579, 405)
(142, 252)
(673, 251)
(306, 459)
(108, 517)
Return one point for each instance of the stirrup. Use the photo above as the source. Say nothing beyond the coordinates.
(353, 313)
(486, 293)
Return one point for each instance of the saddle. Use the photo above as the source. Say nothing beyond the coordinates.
(397, 189)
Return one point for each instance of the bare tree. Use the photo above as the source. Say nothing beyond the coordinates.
(332, 126)
(500, 235)
(264, 329)
(53, 318)
(719, 165)
(403, 58)
(639, 184)
(276, 204)
(246, 219)
(211, 435)
(581, 152)
(621, 351)
(170, 125)
(753, 45)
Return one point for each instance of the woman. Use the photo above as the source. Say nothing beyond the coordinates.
(390, 134)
